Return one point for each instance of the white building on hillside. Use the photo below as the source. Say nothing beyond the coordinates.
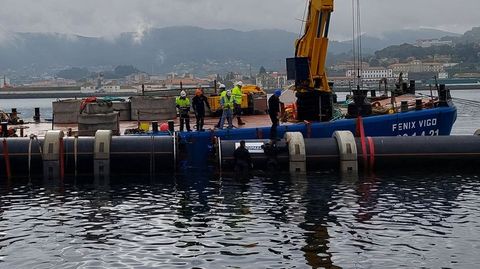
(371, 73)
(418, 66)
(427, 43)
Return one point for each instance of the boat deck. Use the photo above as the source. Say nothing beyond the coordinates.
(251, 121)
(411, 99)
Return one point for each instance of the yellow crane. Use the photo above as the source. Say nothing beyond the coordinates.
(307, 68)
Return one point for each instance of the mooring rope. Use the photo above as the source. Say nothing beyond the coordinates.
(462, 101)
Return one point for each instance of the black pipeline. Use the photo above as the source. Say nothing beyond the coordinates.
(55, 156)
(371, 153)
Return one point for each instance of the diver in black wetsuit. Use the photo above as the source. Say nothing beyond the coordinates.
(272, 151)
(243, 161)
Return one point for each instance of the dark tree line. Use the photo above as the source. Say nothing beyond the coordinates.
(466, 54)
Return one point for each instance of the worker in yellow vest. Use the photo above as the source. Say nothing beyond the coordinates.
(183, 105)
(237, 95)
(227, 102)
(222, 91)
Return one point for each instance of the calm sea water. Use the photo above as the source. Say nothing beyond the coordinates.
(318, 221)
(207, 221)
(26, 107)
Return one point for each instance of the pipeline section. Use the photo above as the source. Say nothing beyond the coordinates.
(350, 154)
(55, 156)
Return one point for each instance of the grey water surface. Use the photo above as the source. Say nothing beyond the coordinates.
(205, 221)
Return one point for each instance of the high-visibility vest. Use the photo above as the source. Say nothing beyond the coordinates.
(182, 103)
(237, 94)
(227, 102)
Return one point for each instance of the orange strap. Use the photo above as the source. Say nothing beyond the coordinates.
(372, 153)
(294, 111)
(361, 133)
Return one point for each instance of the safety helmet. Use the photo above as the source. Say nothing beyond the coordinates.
(222, 86)
(164, 127)
(239, 83)
(183, 94)
(229, 92)
(278, 93)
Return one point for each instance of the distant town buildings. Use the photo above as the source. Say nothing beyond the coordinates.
(271, 80)
(5, 82)
(371, 73)
(418, 66)
(104, 88)
(348, 65)
(54, 82)
(426, 43)
(370, 76)
(187, 80)
(138, 78)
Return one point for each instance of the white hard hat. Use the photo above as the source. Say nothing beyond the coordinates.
(229, 92)
(239, 83)
(183, 94)
(222, 86)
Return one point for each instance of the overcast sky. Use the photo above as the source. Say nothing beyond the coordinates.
(111, 17)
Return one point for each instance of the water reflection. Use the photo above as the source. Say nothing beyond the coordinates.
(317, 201)
(205, 221)
(193, 195)
(279, 189)
(367, 191)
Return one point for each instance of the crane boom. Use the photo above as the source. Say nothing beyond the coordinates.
(313, 44)
(307, 68)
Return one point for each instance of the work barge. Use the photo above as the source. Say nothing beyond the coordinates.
(417, 135)
(404, 130)
(91, 114)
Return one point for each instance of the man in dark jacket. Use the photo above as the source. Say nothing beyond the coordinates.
(274, 112)
(243, 161)
(198, 103)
